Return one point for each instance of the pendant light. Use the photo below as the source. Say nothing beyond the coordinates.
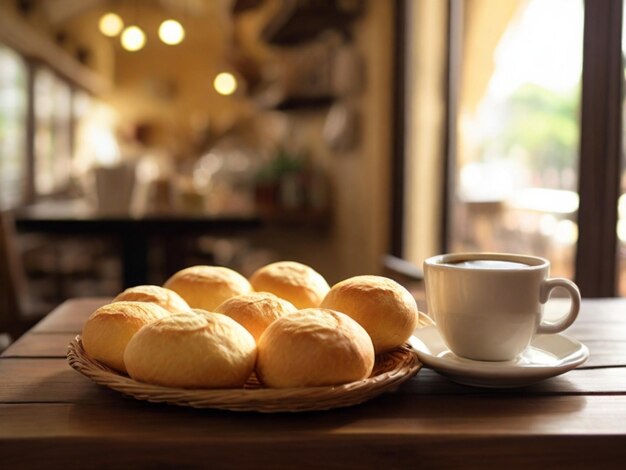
(111, 24)
(133, 38)
(171, 32)
(225, 83)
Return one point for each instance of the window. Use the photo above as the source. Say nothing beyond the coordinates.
(53, 133)
(531, 147)
(13, 104)
(515, 164)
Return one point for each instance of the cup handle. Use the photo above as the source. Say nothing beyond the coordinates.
(544, 294)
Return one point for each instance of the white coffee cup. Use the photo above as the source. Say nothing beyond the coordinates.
(488, 306)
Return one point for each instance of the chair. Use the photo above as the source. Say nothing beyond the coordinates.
(18, 309)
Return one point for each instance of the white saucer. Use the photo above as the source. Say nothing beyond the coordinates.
(547, 356)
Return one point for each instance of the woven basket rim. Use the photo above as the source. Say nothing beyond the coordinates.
(391, 370)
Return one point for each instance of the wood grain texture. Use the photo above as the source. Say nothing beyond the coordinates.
(575, 382)
(427, 417)
(603, 353)
(50, 413)
(70, 316)
(383, 434)
(50, 345)
(48, 381)
(52, 380)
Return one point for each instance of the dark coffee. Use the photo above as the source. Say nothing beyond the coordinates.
(488, 264)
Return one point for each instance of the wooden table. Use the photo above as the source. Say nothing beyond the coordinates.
(51, 416)
(133, 231)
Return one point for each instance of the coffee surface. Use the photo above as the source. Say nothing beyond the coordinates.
(488, 264)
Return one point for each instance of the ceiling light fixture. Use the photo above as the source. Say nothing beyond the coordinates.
(225, 83)
(171, 32)
(133, 38)
(111, 24)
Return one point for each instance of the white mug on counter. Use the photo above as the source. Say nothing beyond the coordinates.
(488, 306)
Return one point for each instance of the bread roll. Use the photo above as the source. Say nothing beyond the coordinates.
(206, 287)
(207, 350)
(255, 311)
(166, 298)
(314, 347)
(109, 329)
(386, 310)
(298, 283)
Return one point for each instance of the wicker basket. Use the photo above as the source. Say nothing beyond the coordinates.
(391, 369)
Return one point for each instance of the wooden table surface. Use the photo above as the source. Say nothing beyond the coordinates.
(51, 416)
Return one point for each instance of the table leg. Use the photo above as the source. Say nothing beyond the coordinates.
(134, 259)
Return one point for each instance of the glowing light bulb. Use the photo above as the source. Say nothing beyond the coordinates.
(171, 32)
(133, 38)
(110, 24)
(225, 83)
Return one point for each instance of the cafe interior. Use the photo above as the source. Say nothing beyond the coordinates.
(202, 132)
(236, 134)
(359, 137)
(304, 130)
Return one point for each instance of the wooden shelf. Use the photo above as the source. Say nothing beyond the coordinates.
(276, 101)
(302, 20)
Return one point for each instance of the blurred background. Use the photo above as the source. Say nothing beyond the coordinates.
(138, 137)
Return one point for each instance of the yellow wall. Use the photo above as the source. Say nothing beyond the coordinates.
(363, 204)
(425, 113)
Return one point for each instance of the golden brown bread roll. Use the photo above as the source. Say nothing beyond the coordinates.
(314, 347)
(298, 283)
(202, 350)
(386, 310)
(255, 311)
(206, 287)
(166, 298)
(109, 329)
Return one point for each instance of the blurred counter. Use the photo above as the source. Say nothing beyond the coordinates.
(133, 231)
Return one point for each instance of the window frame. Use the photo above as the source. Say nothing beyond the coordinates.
(601, 135)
